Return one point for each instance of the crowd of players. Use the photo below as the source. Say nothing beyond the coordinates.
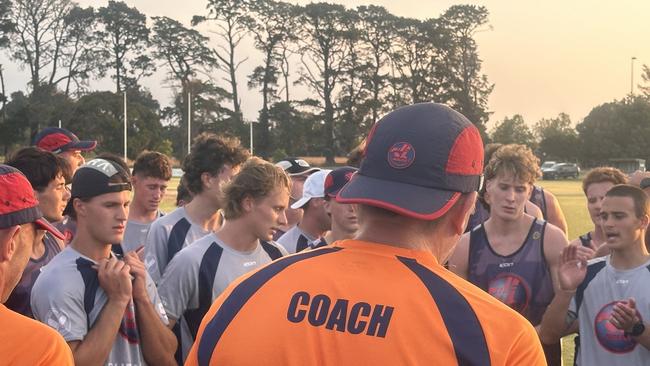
(289, 264)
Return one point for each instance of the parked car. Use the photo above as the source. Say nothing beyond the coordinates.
(547, 165)
(561, 170)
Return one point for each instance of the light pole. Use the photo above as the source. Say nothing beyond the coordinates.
(632, 76)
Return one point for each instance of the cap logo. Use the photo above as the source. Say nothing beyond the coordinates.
(348, 176)
(401, 155)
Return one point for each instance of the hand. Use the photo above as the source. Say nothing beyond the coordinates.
(624, 315)
(573, 267)
(114, 279)
(139, 272)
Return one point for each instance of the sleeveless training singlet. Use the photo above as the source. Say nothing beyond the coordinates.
(537, 197)
(521, 280)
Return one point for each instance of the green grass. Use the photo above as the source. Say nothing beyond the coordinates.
(568, 192)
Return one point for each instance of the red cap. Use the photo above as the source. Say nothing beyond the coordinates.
(18, 205)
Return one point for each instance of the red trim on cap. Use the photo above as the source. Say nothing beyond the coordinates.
(400, 210)
(20, 196)
(54, 141)
(45, 225)
(466, 156)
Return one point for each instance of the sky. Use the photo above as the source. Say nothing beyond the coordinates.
(544, 57)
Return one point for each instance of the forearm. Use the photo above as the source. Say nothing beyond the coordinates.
(96, 346)
(158, 342)
(555, 323)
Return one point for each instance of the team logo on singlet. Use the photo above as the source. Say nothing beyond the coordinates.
(401, 155)
(611, 338)
(511, 290)
(128, 326)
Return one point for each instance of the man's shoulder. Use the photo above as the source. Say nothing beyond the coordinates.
(196, 251)
(170, 219)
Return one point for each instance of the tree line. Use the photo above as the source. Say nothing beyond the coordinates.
(357, 63)
(612, 130)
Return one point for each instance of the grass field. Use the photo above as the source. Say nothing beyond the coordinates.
(568, 192)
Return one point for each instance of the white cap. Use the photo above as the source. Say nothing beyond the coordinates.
(314, 188)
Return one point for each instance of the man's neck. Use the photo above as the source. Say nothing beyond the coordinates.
(85, 244)
(598, 236)
(139, 213)
(337, 234)
(629, 257)
(236, 235)
(310, 226)
(203, 212)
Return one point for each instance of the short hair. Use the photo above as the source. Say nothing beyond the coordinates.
(39, 166)
(209, 154)
(603, 174)
(489, 150)
(516, 159)
(257, 179)
(356, 155)
(638, 196)
(153, 164)
(182, 193)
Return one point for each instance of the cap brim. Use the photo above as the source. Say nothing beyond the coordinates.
(82, 145)
(299, 203)
(418, 202)
(45, 225)
(304, 172)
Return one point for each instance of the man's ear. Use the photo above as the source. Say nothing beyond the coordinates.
(461, 211)
(8, 239)
(247, 203)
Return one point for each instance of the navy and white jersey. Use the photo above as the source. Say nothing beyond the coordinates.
(537, 197)
(521, 280)
(200, 273)
(319, 243)
(296, 240)
(167, 236)
(135, 234)
(19, 298)
(68, 298)
(601, 343)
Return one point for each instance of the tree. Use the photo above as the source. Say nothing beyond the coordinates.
(271, 29)
(232, 23)
(619, 129)
(323, 53)
(185, 54)
(208, 114)
(376, 39)
(6, 24)
(125, 36)
(78, 54)
(558, 140)
(513, 130)
(100, 114)
(469, 88)
(645, 76)
(39, 29)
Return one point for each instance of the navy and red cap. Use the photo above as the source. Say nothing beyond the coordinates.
(337, 179)
(58, 140)
(418, 161)
(18, 204)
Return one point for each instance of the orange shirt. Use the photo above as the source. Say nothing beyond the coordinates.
(24, 341)
(359, 303)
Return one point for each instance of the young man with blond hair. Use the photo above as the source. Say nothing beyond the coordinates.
(254, 205)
